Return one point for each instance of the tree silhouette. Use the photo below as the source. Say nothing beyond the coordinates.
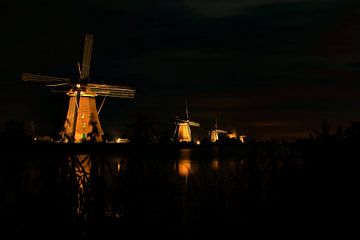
(94, 135)
(145, 130)
(14, 131)
(352, 133)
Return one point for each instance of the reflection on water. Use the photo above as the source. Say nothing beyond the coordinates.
(118, 166)
(184, 167)
(184, 162)
(119, 163)
(179, 186)
(184, 154)
(233, 164)
(215, 164)
(80, 166)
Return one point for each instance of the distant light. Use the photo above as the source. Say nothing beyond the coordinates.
(242, 138)
(34, 138)
(231, 135)
(78, 85)
(122, 140)
(198, 142)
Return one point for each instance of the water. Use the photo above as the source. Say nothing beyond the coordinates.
(91, 194)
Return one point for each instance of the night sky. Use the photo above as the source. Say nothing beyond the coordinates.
(268, 68)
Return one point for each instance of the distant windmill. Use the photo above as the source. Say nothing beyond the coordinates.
(82, 122)
(214, 133)
(182, 131)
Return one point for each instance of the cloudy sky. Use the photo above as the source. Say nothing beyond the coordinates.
(269, 68)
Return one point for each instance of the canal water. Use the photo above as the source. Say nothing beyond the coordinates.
(90, 194)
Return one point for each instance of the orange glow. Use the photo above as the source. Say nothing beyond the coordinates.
(184, 132)
(242, 138)
(184, 167)
(214, 136)
(198, 142)
(231, 135)
(118, 166)
(84, 126)
(122, 140)
(215, 164)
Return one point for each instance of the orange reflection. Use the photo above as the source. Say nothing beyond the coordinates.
(215, 164)
(184, 167)
(118, 166)
(232, 164)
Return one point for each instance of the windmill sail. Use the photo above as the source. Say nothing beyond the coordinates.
(82, 122)
(28, 77)
(85, 65)
(112, 90)
(186, 111)
(194, 124)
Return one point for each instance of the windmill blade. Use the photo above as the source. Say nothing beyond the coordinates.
(58, 85)
(85, 65)
(194, 124)
(47, 80)
(178, 120)
(186, 110)
(175, 131)
(112, 90)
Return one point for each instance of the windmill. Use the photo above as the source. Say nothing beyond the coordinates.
(214, 133)
(182, 131)
(82, 121)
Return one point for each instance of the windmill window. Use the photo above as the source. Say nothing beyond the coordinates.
(82, 115)
(84, 125)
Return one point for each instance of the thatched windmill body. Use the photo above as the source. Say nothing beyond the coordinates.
(214, 132)
(182, 131)
(82, 121)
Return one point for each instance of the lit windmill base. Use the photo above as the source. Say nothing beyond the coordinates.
(214, 136)
(82, 120)
(184, 132)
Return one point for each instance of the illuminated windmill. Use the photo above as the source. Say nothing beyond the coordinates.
(82, 122)
(182, 131)
(214, 133)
